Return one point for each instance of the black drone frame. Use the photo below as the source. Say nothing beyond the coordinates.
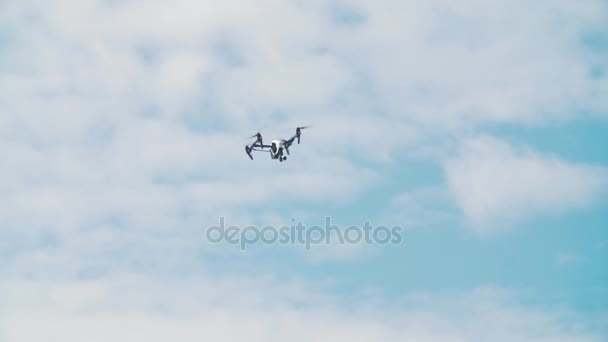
(258, 144)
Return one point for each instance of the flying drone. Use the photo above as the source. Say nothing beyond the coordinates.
(276, 147)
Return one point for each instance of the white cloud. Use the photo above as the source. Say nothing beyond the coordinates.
(106, 109)
(139, 308)
(422, 208)
(379, 81)
(294, 58)
(496, 184)
(453, 64)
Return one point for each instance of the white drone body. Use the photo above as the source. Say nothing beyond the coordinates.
(276, 149)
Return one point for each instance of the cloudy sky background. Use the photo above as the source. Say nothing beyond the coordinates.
(480, 127)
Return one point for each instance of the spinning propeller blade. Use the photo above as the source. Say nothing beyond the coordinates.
(258, 137)
(299, 131)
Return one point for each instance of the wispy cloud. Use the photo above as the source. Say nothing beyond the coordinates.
(423, 207)
(496, 184)
(124, 308)
(569, 258)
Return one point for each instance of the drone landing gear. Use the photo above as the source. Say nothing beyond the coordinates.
(281, 158)
(248, 151)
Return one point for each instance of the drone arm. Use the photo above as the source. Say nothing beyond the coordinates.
(256, 146)
(290, 141)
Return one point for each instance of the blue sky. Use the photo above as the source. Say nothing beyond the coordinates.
(480, 129)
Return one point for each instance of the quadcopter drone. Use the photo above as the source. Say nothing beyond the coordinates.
(276, 147)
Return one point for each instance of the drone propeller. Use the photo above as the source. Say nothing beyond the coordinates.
(299, 132)
(258, 137)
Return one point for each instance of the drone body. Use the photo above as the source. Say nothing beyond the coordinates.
(277, 148)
